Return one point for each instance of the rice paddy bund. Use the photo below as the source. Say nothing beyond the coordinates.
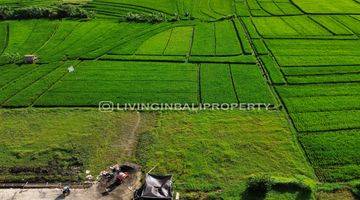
(300, 56)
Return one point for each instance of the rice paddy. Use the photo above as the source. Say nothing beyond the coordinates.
(300, 56)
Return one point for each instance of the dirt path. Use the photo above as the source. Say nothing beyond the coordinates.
(132, 138)
(128, 142)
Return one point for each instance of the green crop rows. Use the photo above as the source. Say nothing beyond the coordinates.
(313, 61)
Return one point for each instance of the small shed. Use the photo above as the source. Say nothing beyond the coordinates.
(30, 59)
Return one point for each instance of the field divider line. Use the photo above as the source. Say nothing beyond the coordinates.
(233, 83)
(212, 18)
(167, 42)
(7, 38)
(17, 78)
(280, 100)
(48, 40)
(238, 36)
(325, 82)
(342, 24)
(276, 4)
(321, 25)
(266, 11)
(55, 82)
(353, 108)
(354, 17)
(214, 10)
(290, 26)
(324, 74)
(103, 36)
(31, 33)
(329, 130)
(62, 50)
(313, 37)
(272, 56)
(126, 39)
(135, 7)
(22, 89)
(191, 44)
(319, 132)
(39, 78)
(67, 35)
(310, 66)
(298, 7)
(265, 73)
(89, 40)
(214, 29)
(199, 84)
(347, 27)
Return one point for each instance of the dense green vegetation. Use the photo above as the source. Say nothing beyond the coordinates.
(55, 12)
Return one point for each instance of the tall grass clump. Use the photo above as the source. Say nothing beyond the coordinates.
(151, 18)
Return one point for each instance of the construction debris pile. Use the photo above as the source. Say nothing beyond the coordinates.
(119, 175)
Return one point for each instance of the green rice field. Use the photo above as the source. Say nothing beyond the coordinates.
(300, 57)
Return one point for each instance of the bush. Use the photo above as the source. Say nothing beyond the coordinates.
(261, 184)
(72, 11)
(148, 18)
(58, 12)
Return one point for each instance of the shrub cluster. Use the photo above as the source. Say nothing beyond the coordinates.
(33, 12)
(262, 184)
(152, 18)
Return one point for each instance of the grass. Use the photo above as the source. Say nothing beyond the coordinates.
(40, 145)
(221, 169)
